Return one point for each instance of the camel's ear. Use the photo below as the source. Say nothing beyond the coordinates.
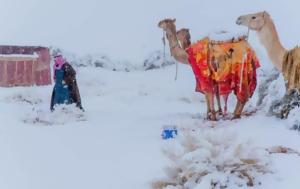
(174, 20)
(265, 13)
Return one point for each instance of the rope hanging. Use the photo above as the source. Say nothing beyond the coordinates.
(243, 62)
(164, 51)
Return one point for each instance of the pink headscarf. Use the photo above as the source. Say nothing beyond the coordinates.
(59, 61)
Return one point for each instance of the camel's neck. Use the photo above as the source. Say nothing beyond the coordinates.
(172, 38)
(270, 39)
(176, 51)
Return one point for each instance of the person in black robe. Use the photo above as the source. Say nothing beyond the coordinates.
(65, 90)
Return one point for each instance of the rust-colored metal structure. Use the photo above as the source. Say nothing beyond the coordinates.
(24, 66)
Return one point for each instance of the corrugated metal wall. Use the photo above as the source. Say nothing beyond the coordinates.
(24, 66)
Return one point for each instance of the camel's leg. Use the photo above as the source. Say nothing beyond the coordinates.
(207, 105)
(238, 109)
(225, 98)
(220, 112)
(211, 107)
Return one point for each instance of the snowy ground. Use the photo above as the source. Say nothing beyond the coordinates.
(116, 143)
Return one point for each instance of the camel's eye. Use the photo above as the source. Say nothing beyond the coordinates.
(253, 17)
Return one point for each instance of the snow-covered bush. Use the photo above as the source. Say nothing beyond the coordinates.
(157, 60)
(294, 119)
(282, 107)
(270, 89)
(213, 159)
(275, 101)
(96, 60)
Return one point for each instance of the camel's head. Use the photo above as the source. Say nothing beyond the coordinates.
(183, 33)
(167, 23)
(253, 21)
(184, 37)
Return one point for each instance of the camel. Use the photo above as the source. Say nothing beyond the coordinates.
(179, 53)
(178, 42)
(286, 61)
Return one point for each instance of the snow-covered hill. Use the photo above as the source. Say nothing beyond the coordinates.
(127, 30)
(155, 60)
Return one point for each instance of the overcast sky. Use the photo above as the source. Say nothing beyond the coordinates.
(127, 29)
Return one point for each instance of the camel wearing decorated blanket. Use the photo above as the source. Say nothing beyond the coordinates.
(220, 67)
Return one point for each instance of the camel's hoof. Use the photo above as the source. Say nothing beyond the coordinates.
(212, 117)
(236, 117)
(220, 112)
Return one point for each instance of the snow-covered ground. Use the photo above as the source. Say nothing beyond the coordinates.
(116, 142)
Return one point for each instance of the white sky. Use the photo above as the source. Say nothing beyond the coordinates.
(127, 30)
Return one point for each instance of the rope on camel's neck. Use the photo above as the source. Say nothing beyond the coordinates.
(164, 51)
(176, 73)
(243, 63)
(248, 34)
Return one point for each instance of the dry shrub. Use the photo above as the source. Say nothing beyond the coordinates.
(212, 159)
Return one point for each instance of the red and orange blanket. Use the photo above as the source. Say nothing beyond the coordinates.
(230, 65)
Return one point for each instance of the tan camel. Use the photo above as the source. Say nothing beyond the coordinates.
(168, 25)
(177, 49)
(286, 61)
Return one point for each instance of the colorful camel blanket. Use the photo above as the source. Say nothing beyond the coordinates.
(291, 69)
(230, 65)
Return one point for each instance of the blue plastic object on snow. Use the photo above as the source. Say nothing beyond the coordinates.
(169, 132)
